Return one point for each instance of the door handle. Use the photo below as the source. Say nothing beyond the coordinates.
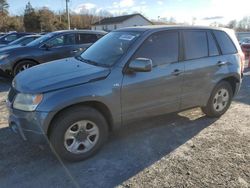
(176, 72)
(222, 63)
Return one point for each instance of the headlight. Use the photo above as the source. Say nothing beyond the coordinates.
(27, 102)
(3, 56)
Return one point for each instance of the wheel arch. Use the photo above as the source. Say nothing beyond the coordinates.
(24, 59)
(99, 106)
(232, 80)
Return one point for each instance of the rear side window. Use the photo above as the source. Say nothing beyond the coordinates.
(213, 50)
(161, 48)
(83, 38)
(225, 43)
(195, 44)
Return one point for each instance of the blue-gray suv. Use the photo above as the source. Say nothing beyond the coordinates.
(128, 74)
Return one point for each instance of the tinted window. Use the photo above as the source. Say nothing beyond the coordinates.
(62, 40)
(225, 43)
(195, 44)
(213, 50)
(161, 48)
(86, 38)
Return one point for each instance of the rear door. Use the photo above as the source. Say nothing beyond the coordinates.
(146, 94)
(202, 59)
(60, 47)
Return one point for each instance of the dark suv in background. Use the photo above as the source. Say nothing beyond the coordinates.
(128, 74)
(49, 47)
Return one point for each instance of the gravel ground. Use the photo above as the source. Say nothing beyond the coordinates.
(177, 150)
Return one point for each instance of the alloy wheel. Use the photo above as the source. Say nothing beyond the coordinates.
(81, 137)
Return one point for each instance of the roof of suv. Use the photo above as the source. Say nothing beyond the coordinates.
(156, 28)
(81, 31)
(166, 27)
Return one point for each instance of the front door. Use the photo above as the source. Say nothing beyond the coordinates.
(152, 93)
(60, 47)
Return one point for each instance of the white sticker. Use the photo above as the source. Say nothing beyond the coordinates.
(127, 37)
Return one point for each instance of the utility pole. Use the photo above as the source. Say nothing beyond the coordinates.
(67, 12)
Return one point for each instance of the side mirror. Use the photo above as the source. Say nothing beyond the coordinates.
(47, 46)
(141, 65)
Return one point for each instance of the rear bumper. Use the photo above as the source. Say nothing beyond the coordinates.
(29, 125)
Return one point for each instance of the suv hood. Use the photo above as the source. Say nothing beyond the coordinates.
(56, 75)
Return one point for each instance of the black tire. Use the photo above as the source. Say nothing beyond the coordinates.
(19, 67)
(62, 123)
(210, 110)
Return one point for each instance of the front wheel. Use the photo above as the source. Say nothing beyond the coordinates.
(23, 65)
(219, 101)
(78, 133)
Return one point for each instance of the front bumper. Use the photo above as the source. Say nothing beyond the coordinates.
(5, 67)
(29, 125)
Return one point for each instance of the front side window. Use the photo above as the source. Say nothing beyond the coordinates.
(161, 48)
(195, 44)
(62, 40)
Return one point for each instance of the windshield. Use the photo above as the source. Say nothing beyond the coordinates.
(41, 39)
(24, 40)
(18, 41)
(109, 49)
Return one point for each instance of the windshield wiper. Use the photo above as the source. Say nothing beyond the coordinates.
(90, 62)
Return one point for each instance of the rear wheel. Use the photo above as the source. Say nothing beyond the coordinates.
(219, 101)
(23, 65)
(78, 133)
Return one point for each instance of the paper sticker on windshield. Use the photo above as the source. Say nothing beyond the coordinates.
(127, 37)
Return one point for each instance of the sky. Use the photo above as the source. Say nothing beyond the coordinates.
(205, 11)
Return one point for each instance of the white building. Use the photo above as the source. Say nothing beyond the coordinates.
(113, 23)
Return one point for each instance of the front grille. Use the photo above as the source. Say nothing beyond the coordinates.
(12, 94)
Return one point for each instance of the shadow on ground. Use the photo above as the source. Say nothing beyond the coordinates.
(127, 152)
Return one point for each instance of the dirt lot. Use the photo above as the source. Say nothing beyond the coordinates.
(177, 150)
